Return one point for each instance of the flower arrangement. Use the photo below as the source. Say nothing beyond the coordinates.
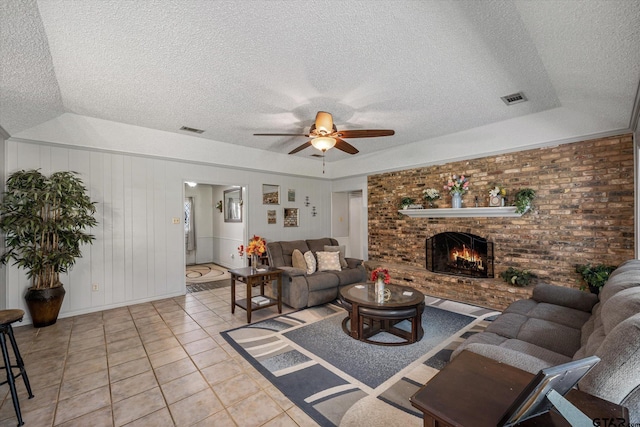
(457, 184)
(430, 194)
(381, 273)
(498, 190)
(256, 246)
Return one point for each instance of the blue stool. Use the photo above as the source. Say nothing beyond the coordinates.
(7, 317)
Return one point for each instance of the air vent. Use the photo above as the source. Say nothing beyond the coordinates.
(514, 98)
(194, 130)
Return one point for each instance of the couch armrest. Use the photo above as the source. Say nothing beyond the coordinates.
(353, 262)
(567, 297)
(292, 272)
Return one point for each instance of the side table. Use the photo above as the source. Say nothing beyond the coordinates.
(255, 277)
(476, 391)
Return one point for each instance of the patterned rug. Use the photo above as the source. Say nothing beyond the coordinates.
(337, 380)
(205, 273)
(207, 286)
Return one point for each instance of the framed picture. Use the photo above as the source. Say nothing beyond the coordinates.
(271, 216)
(270, 194)
(291, 217)
(291, 195)
(233, 205)
(533, 399)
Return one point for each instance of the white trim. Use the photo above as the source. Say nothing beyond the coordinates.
(168, 159)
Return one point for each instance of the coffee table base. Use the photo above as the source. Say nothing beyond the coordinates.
(371, 321)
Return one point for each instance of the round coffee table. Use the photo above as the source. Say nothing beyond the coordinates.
(367, 317)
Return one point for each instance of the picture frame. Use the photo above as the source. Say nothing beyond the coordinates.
(291, 217)
(272, 216)
(270, 194)
(291, 195)
(232, 201)
(533, 401)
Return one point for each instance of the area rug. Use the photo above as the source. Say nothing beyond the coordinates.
(205, 273)
(336, 379)
(206, 286)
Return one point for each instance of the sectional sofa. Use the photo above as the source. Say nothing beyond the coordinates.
(303, 289)
(559, 324)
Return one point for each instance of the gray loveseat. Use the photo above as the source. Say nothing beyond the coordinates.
(300, 289)
(560, 324)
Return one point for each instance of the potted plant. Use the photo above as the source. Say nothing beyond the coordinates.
(595, 276)
(523, 200)
(517, 277)
(406, 202)
(44, 221)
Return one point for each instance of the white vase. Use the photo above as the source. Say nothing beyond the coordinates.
(379, 289)
(456, 200)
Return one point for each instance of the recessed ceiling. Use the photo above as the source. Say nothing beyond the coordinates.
(234, 68)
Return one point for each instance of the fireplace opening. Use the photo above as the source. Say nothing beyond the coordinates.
(460, 254)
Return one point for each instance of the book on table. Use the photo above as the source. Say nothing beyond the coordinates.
(260, 300)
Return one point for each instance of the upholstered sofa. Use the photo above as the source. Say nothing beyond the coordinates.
(301, 289)
(560, 324)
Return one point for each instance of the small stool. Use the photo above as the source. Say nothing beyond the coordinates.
(7, 317)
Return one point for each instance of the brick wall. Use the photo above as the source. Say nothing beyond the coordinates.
(584, 212)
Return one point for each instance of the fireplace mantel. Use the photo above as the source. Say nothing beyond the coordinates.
(499, 211)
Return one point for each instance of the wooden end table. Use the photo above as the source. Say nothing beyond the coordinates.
(255, 277)
(476, 391)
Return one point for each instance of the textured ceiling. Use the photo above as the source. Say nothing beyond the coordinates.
(234, 68)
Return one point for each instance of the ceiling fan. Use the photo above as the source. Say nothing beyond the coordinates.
(324, 135)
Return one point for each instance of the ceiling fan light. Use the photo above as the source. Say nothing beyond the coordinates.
(324, 123)
(323, 143)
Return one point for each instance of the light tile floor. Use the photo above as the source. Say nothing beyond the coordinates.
(161, 363)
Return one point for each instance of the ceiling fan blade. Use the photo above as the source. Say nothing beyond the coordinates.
(300, 148)
(343, 145)
(280, 134)
(324, 123)
(365, 133)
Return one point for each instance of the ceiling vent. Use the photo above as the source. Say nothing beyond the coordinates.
(514, 98)
(194, 130)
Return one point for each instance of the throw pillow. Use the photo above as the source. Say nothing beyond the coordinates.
(341, 249)
(310, 260)
(297, 260)
(328, 261)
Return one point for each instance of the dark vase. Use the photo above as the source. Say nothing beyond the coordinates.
(44, 305)
(594, 289)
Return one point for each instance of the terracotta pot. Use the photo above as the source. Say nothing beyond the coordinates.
(44, 305)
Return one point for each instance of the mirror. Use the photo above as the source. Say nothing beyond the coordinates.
(233, 205)
(270, 194)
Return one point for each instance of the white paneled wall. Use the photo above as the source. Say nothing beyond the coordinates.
(139, 254)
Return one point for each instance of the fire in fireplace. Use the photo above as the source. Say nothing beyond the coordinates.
(461, 254)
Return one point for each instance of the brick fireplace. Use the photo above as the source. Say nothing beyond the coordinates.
(584, 212)
(459, 254)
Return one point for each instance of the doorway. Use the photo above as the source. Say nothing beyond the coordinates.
(347, 222)
(210, 241)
